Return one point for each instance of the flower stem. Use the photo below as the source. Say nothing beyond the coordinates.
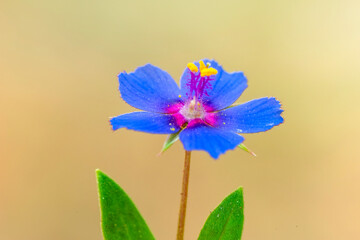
(184, 193)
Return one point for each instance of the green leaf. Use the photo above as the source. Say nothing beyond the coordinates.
(171, 139)
(119, 217)
(226, 221)
(243, 147)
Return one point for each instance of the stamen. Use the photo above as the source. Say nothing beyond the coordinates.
(199, 82)
(192, 67)
(208, 72)
(202, 65)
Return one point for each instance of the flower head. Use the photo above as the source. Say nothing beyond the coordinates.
(199, 113)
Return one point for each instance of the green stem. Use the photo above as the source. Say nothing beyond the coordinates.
(184, 193)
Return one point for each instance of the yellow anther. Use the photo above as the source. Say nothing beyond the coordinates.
(192, 67)
(202, 65)
(207, 72)
(213, 71)
(179, 96)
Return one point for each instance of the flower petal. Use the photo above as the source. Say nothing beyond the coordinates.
(149, 88)
(254, 116)
(226, 88)
(146, 122)
(212, 140)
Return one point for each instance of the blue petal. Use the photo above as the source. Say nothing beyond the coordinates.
(146, 122)
(149, 88)
(255, 116)
(212, 140)
(226, 88)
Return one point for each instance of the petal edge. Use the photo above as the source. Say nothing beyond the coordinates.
(212, 140)
(258, 115)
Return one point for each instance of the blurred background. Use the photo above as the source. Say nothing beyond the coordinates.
(59, 62)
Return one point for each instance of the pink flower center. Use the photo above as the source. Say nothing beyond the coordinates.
(192, 110)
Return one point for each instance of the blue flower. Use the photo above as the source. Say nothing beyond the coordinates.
(199, 113)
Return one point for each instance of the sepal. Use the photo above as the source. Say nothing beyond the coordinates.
(243, 147)
(170, 140)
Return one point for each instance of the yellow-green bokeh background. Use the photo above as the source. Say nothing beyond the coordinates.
(58, 87)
